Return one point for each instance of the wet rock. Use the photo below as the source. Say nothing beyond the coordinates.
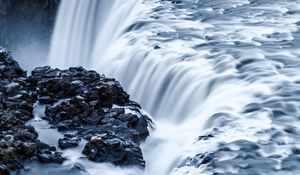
(10, 69)
(12, 88)
(28, 148)
(50, 157)
(17, 140)
(87, 106)
(4, 170)
(25, 135)
(156, 47)
(93, 119)
(52, 73)
(43, 146)
(141, 127)
(76, 100)
(63, 127)
(108, 149)
(46, 100)
(69, 141)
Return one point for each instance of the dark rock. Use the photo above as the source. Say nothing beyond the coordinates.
(40, 70)
(24, 135)
(27, 106)
(28, 148)
(76, 100)
(43, 146)
(10, 69)
(12, 88)
(49, 157)
(46, 100)
(156, 47)
(205, 137)
(52, 73)
(4, 170)
(62, 126)
(93, 119)
(115, 150)
(141, 127)
(69, 141)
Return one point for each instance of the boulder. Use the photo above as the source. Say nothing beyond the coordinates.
(107, 148)
(50, 157)
(69, 141)
(4, 170)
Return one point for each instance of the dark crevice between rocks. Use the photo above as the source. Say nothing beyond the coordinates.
(82, 103)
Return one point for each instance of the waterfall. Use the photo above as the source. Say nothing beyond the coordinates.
(94, 34)
(82, 27)
(193, 67)
(176, 88)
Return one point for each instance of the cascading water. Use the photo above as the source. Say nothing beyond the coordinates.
(228, 68)
(86, 29)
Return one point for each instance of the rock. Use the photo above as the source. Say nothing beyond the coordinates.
(10, 69)
(66, 143)
(52, 73)
(69, 141)
(47, 100)
(4, 170)
(109, 149)
(26, 106)
(49, 157)
(142, 127)
(12, 88)
(17, 140)
(93, 119)
(28, 148)
(156, 47)
(76, 100)
(40, 70)
(25, 135)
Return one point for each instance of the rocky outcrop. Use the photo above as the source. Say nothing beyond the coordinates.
(96, 107)
(18, 141)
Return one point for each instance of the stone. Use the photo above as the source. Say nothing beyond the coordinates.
(49, 157)
(69, 141)
(47, 100)
(156, 47)
(76, 100)
(12, 88)
(142, 127)
(28, 148)
(115, 150)
(40, 70)
(24, 135)
(4, 170)
(63, 127)
(93, 119)
(52, 73)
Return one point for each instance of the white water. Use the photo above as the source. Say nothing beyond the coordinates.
(194, 74)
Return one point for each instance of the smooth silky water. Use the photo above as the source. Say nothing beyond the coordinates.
(226, 67)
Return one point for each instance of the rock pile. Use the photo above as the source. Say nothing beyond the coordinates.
(95, 107)
(18, 142)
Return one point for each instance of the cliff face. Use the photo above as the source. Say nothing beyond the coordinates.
(26, 25)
